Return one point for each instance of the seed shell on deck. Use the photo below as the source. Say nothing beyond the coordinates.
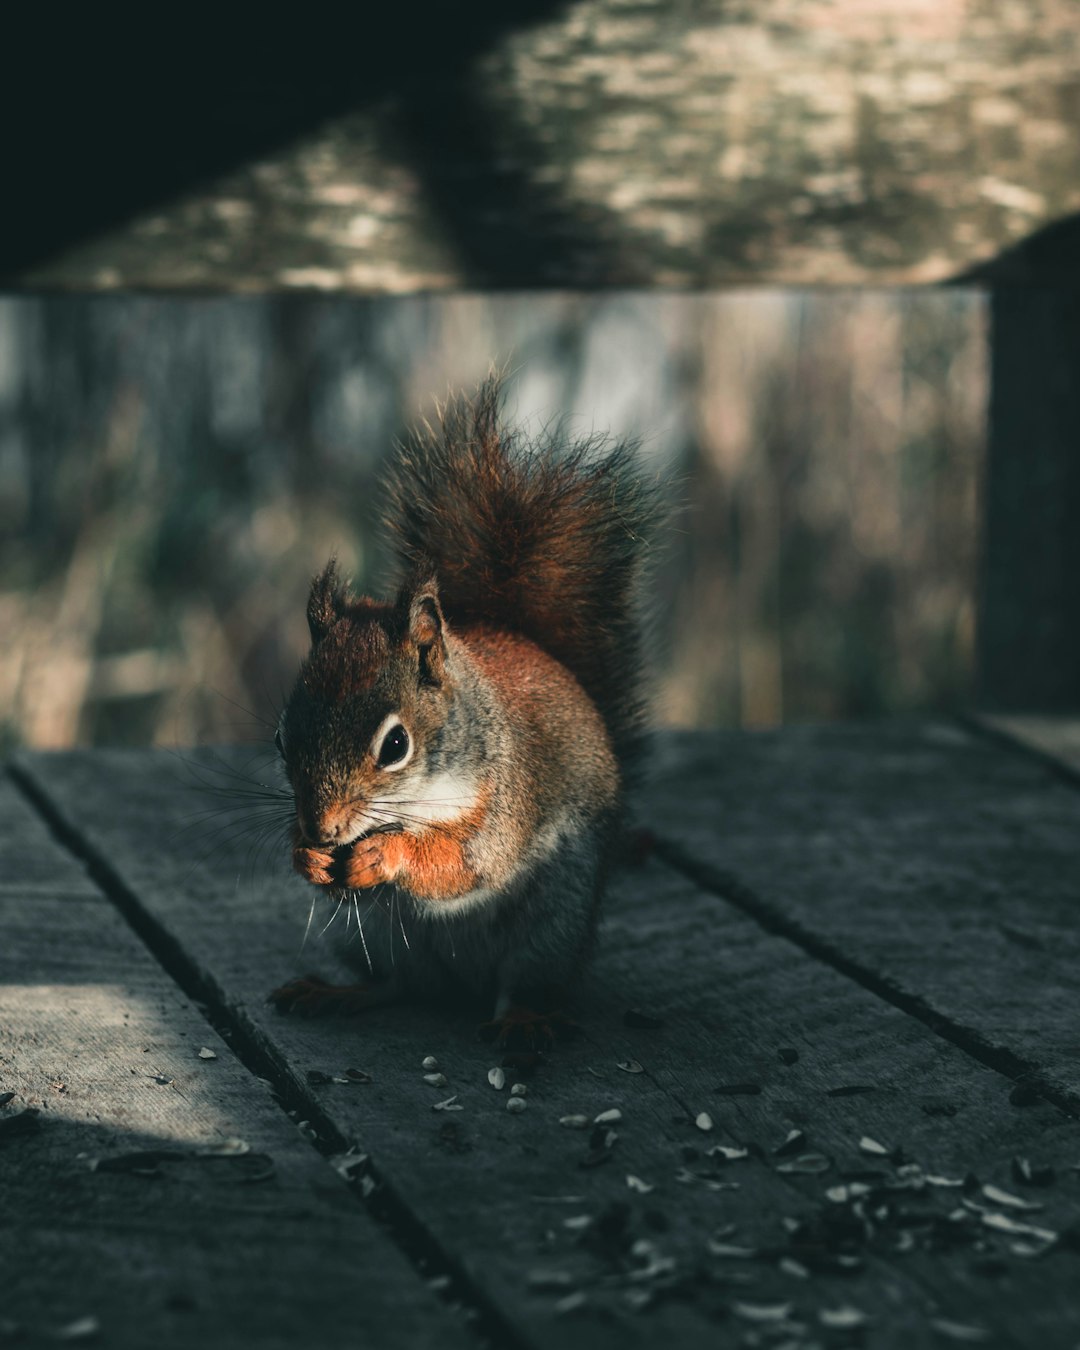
(206, 1053)
(430, 1063)
(575, 1122)
(868, 1145)
(1000, 1197)
(357, 1076)
(728, 1154)
(794, 1143)
(629, 1066)
(497, 1078)
(959, 1331)
(703, 1121)
(842, 1319)
(807, 1164)
(518, 1090)
(435, 1079)
(516, 1104)
(763, 1312)
(225, 1148)
(607, 1117)
(570, 1303)
(450, 1104)
(636, 1184)
(82, 1329)
(1026, 1175)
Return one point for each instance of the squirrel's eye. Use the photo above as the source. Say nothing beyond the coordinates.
(394, 748)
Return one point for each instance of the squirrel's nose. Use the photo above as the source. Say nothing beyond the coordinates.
(329, 825)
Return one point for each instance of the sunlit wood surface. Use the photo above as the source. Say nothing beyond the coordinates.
(640, 142)
(855, 951)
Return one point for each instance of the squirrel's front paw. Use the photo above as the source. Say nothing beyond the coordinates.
(371, 861)
(314, 864)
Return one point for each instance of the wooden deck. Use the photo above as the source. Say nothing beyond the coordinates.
(836, 1009)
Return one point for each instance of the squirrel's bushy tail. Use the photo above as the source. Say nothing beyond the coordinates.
(537, 537)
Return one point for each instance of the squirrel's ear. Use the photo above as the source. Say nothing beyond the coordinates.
(426, 630)
(325, 601)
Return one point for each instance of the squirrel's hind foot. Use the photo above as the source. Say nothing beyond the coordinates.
(309, 996)
(521, 1028)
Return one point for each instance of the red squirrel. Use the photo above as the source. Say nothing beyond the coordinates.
(459, 754)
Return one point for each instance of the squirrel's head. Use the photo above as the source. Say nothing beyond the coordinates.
(360, 736)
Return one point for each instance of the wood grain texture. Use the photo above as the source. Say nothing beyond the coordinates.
(793, 142)
(1056, 737)
(494, 1189)
(268, 1249)
(940, 867)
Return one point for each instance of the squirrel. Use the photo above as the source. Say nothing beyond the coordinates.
(459, 755)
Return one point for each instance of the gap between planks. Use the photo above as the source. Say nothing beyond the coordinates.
(262, 1059)
(727, 887)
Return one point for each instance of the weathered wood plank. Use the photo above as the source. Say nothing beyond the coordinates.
(269, 1249)
(732, 996)
(939, 867)
(603, 143)
(1056, 737)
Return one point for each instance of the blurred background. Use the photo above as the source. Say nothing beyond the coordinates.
(172, 472)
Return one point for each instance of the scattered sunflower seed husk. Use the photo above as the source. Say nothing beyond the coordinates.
(790, 1266)
(1000, 1197)
(731, 1250)
(726, 1152)
(519, 1090)
(345, 1164)
(794, 1142)
(703, 1121)
(575, 1122)
(607, 1117)
(307, 1130)
(436, 1079)
(357, 1076)
(82, 1329)
(516, 1104)
(629, 1066)
(571, 1302)
(1001, 1223)
(932, 1179)
(840, 1195)
(842, 1319)
(959, 1331)
(1026, 1175)
(807, 1164)
(449, 1104)
(577, 1223)
(206, 1053)
(430, 1063)
(497, 1078)
(868, 1145)
(224, 1148)
(763, 1312)
(636, 1184)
